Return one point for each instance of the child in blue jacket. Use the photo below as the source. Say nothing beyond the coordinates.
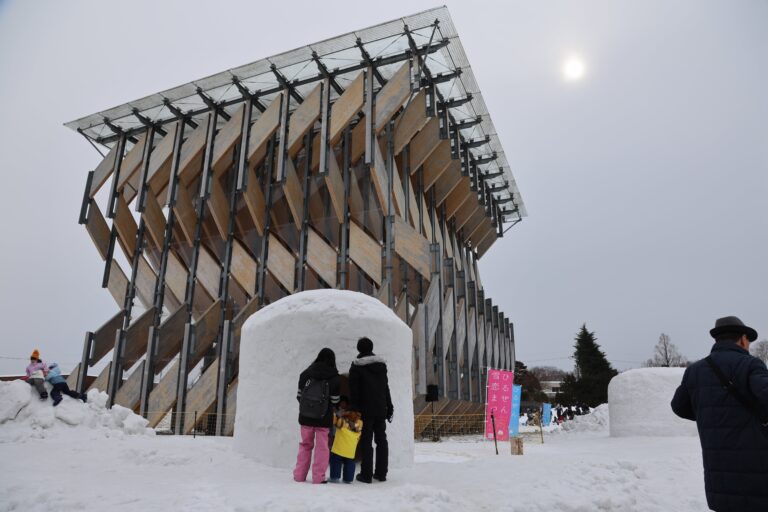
(60, 385)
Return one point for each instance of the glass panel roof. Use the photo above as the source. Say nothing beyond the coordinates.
(342, 57)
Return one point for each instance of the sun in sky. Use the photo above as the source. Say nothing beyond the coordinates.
(573, 69)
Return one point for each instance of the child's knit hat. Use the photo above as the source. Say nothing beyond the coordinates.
(35, 354)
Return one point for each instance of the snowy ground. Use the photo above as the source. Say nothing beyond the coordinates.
(78, 468)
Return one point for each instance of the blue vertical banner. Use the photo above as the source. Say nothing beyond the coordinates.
(514, 420)
(546, 415)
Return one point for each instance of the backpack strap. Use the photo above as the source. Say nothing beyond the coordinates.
(749, 403)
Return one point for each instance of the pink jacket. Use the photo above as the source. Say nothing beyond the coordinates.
(36, 371)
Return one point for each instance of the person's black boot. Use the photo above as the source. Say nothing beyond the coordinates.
(379, 478)
(361, 478)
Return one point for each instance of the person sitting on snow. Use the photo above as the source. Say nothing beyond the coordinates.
(36, 371)
(60, 385)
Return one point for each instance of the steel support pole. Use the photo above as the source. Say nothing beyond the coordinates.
(369, 113)
(224, 345)
(85, 362)
(325, 118)
(112, 201)
(148, 379)
(342, 282)
(187, 346)
(282, 150)
(437, 275)
(301, 261)
(264, 252)
(389, 240)
(224, 370)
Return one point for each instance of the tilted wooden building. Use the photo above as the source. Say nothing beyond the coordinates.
(365, 162)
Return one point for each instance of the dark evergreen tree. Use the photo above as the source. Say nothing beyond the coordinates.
(588, 384)
(531, 386)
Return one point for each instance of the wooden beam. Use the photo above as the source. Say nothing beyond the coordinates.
(117, 284)
(185, 213)
(457, 197)
(392, 96)
(136, 337)
(219, 205)
(255, 202)
(280, 263)
(202, 396)
(160, 161)
(98, 229)
(129, 394)
(170, 337)
(100, 383)
(226, 138)
(163, 396)
(448, 182)
(487, 241)
(466, 212)
(154, 220)
(294, 194)
(437, 163)
(412, 247)
(243, 268)
(346, 107)
(365, 252)
(302, 120)
(263, 130)
(413, 119)
(131, 162)
(335, 185)
(103, 171)
(321, 257)
(104, 337)
(191, 159)
(126, 227)
(208, 272)
(424, 143)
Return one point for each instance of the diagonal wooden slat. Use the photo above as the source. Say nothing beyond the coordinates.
(365, 252)
(321, 257)
(412, 247)
(392, 96)
(413, 119)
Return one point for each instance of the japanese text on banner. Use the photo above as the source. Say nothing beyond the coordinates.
(498, 403)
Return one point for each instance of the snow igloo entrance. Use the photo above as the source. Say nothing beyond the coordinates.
(279, 341)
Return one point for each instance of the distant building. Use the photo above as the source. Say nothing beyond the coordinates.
(551, 388)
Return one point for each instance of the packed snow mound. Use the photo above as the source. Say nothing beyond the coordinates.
(24, 416)
(595, 421)
(281, 340)
(639, 404)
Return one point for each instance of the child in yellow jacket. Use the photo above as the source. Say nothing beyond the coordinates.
(348, 428)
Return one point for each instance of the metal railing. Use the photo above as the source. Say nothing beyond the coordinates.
(434, 426)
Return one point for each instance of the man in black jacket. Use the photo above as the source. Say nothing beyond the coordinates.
(369, 394)
(729, 418)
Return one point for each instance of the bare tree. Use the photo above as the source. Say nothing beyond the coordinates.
(548, 373)
(759, 349)
(665, 354)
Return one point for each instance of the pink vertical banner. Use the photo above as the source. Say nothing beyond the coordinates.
(498, 401)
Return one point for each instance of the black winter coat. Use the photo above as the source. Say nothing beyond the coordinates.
(734, 444)
(320, 370)
(369, 387)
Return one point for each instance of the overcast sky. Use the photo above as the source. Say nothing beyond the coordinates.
(646, 182)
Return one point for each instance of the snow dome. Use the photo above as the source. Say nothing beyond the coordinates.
(639, 404)
(281, 340)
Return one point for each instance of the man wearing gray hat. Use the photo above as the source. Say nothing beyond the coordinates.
(726, 394)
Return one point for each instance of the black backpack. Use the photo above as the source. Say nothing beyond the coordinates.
(314, 399)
